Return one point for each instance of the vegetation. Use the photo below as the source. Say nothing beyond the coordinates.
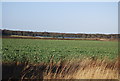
(73, 69)
(59, 59)
(59, 35)
(34, 50)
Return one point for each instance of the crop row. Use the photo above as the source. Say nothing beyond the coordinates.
(34, 50)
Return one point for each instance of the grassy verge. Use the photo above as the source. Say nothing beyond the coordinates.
(74, 69)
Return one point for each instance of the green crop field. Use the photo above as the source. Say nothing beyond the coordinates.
(35, 50)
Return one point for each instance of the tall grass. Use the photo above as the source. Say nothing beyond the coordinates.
(73, 69)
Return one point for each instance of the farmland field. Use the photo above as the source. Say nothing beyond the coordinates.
(35, 50)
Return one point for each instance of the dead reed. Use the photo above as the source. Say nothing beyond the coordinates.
(74, 69)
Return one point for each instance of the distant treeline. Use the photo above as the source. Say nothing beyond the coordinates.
(58, 35)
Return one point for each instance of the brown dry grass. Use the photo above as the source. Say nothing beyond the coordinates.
(74, 69)
(87, 69)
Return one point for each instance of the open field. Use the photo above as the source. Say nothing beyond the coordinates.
(59, 59)
(42, 50)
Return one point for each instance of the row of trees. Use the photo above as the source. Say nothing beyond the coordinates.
(59, 35)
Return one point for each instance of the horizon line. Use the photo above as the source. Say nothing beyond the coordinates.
(58, 31)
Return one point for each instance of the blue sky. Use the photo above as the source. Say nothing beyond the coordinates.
(69, 17)
(0, 14)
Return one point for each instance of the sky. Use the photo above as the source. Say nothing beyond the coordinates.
(67, 17)
(60, 0)
(0, 14)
